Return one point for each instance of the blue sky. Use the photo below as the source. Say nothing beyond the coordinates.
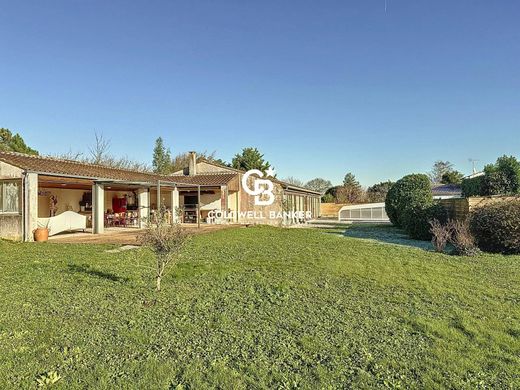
(321, 87)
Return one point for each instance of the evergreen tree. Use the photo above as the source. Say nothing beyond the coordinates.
(250, 158)
(161, 158)
(452, 177)
(351, 191)
(439, 169)
(14, 143)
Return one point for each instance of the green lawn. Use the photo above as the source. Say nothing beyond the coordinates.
(260, 308)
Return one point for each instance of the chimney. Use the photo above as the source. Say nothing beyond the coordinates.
(192, 164)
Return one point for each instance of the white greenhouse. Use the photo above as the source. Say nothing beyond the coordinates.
(368, 212)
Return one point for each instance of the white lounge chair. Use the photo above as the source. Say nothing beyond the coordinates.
(64, 222)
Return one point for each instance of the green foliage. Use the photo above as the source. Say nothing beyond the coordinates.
(260, 308)
(161, 161)
(473, 186)
(14, 143)
(416, 220)
(496, 227)
(503, 177)
(318, 184)
(377, 193)
(331, 194)
(411, 191)
(452, 177)
(328, 198)
(250, 158)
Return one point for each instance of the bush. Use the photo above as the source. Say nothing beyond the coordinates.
(409, 192)
(441, 234)
(497, 227)
(473, 186)
(416, 220)
(462, 239)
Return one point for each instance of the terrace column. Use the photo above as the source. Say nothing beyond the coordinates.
(158, 196)
(98, 208)
(144, 207)
(175, 205)
(30, 188)
(224, 198)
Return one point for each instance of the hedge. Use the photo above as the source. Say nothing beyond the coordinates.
(496, 227)
(473, 186)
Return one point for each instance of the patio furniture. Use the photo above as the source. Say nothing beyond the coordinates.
(64, 222)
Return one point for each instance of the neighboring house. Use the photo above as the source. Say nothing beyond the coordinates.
(475, 174)
(446, 191)
(33, 187)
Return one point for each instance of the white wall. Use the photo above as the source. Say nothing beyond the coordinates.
(68, 199)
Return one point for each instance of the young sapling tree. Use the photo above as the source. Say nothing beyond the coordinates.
(166, 240)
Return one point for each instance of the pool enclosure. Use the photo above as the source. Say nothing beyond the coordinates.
(368, 212)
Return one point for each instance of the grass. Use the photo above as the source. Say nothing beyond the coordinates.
(259, 308)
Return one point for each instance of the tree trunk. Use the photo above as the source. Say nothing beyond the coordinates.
(158, 283)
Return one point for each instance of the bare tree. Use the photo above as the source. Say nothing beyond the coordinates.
(69, 155)
(99, 152)
(294, 181)
(181, 160)
(318, 184)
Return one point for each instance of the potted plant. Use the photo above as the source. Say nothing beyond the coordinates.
(41, 233)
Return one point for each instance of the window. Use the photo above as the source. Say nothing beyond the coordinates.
(9, 197)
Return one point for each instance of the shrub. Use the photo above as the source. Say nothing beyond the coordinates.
(497, 227)
(416, 220)
(441, 234)
(462, 239)
(410, 191)
(473, 186)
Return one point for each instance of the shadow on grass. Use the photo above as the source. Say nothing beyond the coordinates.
(385, 233)
(87, 270)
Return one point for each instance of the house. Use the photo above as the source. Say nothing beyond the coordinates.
(446, 191)
(36, 187)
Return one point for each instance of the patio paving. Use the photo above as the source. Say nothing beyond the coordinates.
(122, 236)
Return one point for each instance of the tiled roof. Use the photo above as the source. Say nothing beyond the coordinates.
(207, 179)
(446, 189)
(70, 168)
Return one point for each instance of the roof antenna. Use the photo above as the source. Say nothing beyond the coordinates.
(473, 161)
